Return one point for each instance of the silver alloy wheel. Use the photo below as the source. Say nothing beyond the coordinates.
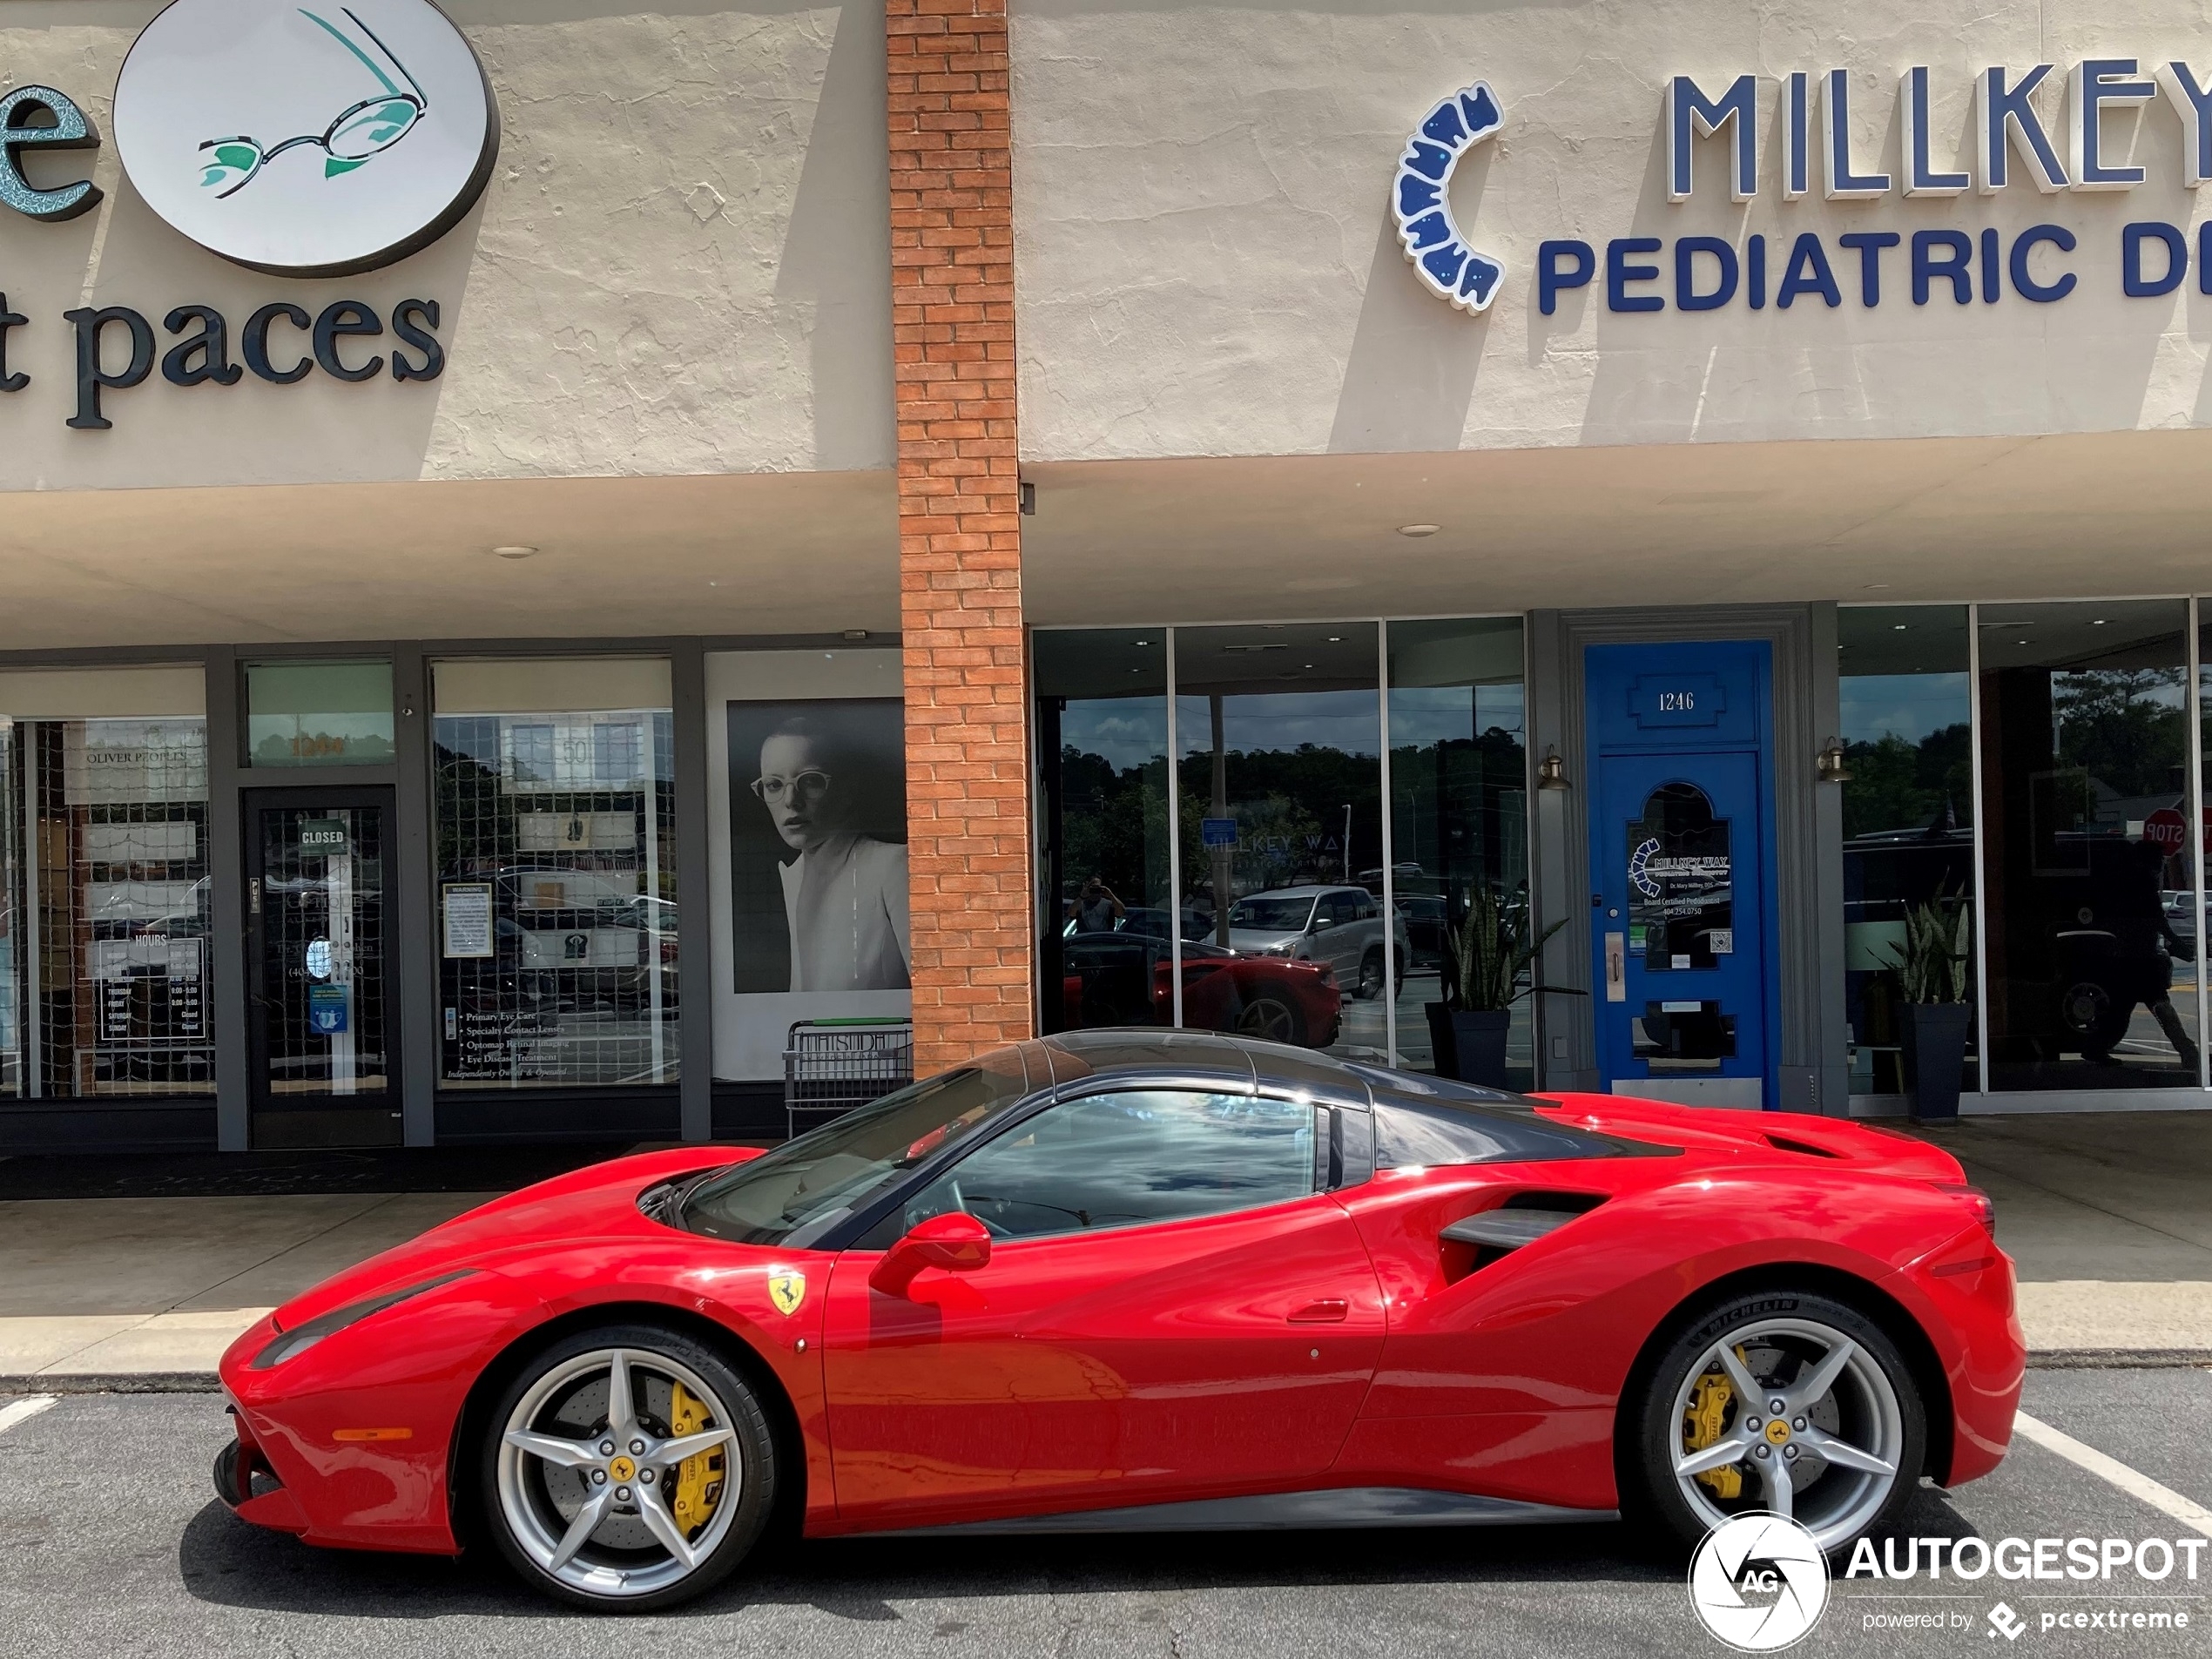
(1270, 1017)
(587, 1461)
(1813, 1429)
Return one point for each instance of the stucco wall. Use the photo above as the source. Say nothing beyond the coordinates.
(1206, 264)
(681, 266)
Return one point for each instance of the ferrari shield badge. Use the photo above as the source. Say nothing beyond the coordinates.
(787, 1290)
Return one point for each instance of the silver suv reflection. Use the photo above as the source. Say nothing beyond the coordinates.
(1342, 927)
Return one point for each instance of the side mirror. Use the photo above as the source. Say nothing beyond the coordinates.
(956, 1241)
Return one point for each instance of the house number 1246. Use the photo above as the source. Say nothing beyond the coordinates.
(1671, 701)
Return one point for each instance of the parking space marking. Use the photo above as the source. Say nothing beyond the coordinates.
(22, 1411)
(2163, 1499)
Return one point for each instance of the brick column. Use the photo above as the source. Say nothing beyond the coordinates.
(959, 528)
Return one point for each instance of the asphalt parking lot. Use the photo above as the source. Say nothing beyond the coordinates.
(115, 1544)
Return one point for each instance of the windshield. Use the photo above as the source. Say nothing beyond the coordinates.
(796, 1193)
(1271, 915)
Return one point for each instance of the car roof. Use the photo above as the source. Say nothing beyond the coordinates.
(1305, 891)
(1248, 1062)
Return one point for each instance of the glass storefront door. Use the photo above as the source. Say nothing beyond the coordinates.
(317, 929)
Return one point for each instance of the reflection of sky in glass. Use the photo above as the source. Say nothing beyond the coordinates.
(1344, 721)
(1911, 706)
(1426, 714)
(1126, 732)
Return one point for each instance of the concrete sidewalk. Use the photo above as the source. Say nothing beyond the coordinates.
(155, 1288)
(2109, 1216)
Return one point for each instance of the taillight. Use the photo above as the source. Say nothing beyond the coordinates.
(1985, 1212)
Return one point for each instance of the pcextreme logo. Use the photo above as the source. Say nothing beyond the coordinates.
(306, 137)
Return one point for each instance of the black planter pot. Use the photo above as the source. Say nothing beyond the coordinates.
(1935, 1053)
(1469, 1043)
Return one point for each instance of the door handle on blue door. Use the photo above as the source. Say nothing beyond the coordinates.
(1616, 967)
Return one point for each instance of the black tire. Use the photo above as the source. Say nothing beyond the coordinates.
(1270, 1013)
(1370, 984)
(749, 1455)
(1650, 1432)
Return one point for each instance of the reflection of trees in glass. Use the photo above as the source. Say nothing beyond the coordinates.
(1460, 806)
(1109, 816)
(1289, 793)
(1897, 784)
(2126, 725)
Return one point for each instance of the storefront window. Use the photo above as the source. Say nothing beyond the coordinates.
(1908, 817)
(1279, 741)
(319, 713)
(1102, 743)
(104, 911)
(1459, 807)
(2085, 739)
(556, 873)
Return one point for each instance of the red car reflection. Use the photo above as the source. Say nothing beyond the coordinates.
(1122, 979)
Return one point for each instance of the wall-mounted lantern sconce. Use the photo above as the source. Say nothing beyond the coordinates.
(1551, 771)
(1832, 767)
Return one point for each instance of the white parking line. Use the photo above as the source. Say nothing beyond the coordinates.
(2164, 1499)
(22, 1411)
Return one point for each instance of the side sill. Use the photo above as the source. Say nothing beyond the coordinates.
(1283, 1511)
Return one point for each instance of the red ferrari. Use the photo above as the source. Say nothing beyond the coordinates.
(1119, 1280)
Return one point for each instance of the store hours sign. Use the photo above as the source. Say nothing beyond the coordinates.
(297, 139)
(2042, 127)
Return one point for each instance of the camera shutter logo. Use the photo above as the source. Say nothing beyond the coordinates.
(1421, 200)
(306, 137)
(1759, 1582)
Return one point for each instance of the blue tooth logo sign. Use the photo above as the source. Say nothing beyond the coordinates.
(1421, 200)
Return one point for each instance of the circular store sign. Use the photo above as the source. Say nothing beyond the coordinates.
(306, 137)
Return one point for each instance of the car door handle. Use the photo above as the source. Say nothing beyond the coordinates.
(1330, 1310)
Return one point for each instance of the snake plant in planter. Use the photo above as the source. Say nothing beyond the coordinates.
(1485, 954)
(1931, 971)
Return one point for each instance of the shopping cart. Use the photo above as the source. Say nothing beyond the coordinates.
(831, 1066)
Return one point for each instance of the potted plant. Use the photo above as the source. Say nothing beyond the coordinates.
(1931, 968)
(1485, 954)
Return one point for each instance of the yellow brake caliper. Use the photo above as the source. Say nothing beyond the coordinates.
(1701, 1426)
(698, 1477)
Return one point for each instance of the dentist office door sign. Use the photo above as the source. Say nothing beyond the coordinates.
(306, 137)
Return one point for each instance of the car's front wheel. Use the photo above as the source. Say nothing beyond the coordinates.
(1791, 1403)
(627, 1467)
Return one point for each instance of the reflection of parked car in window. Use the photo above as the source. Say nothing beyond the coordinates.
(1128, 979)
(1425, 919)
(575, 939)
(1151, 920)
(1342, 927)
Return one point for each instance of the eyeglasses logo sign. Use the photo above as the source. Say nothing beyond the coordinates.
(1421, 200)
(345, 137)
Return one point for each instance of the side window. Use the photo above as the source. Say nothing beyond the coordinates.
(1129, 1160)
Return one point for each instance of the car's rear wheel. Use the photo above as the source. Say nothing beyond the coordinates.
(1795, 1403)
(1371, 977)
(1270, 1015)
(627, 1467)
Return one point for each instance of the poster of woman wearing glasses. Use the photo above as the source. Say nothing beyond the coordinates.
(818, 852)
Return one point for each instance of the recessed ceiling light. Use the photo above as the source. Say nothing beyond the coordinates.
(1309, 665)
(1899, 627)
(1876, 587)
(1143, 642)
(856, 633)
(1336, 639)
(517, 552)
(1418, 530)
(2098, 623)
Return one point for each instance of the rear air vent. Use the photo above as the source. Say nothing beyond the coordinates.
(1803, 1149)
(1475, 1241)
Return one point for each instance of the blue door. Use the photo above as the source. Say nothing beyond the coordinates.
(1681, 861)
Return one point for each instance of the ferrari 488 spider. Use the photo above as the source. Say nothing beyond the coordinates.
(1121, 1280)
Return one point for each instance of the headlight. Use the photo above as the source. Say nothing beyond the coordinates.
(289, 1345)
